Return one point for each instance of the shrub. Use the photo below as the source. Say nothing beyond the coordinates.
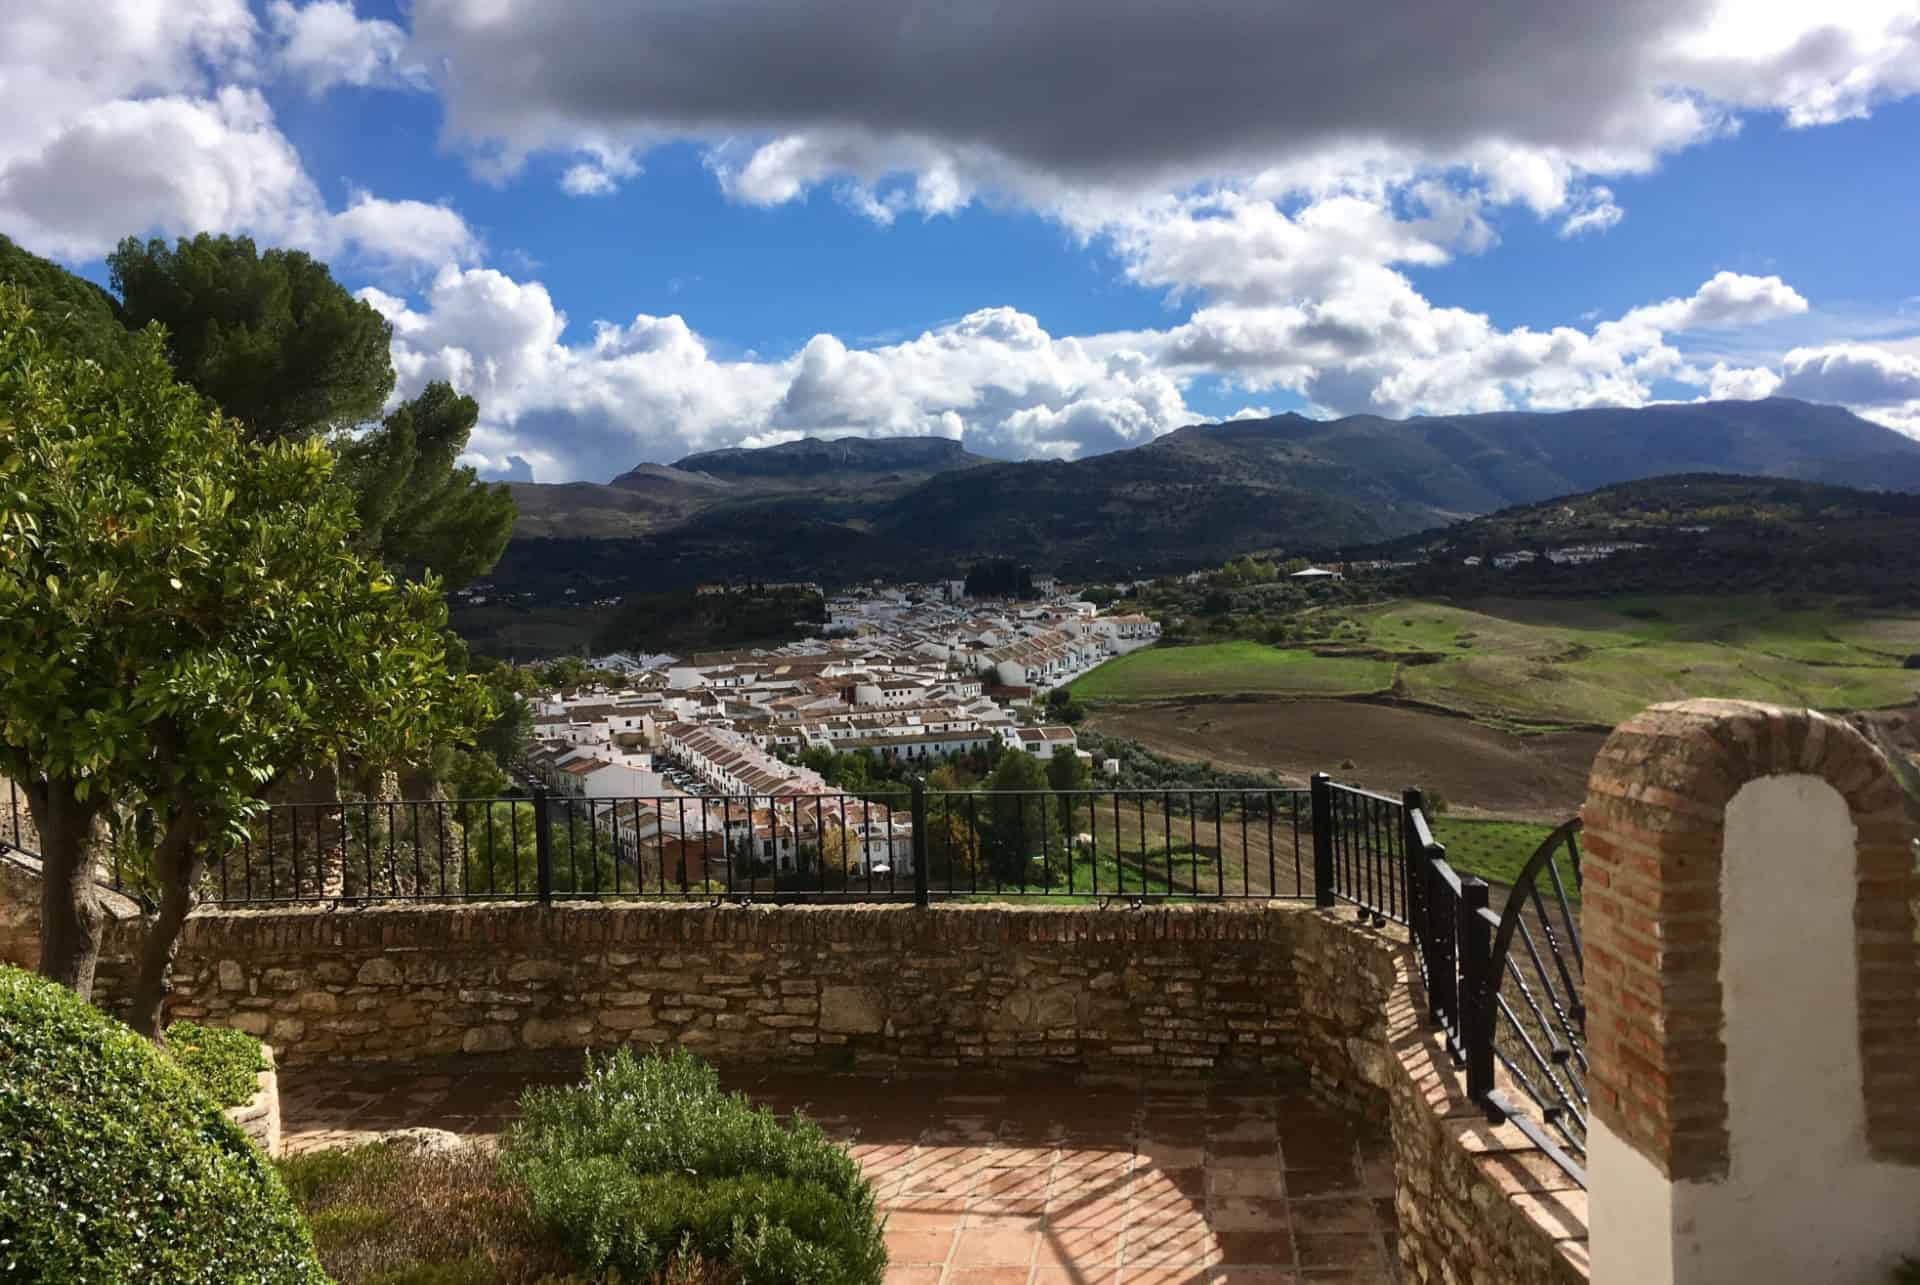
(650, 1157)
(226, 1064)
(115, 1166)
(394, 1215)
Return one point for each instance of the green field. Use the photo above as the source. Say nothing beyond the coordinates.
(1231, 668)
(1494, 850)
(1535, 665)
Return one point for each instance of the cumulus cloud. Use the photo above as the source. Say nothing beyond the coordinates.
(1728, 299)
(1852, 375)
(158, 130)
(1740, 383)
(323, 44)
(653, 389)
(956, 99)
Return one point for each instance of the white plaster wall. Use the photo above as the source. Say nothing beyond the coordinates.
(1630, 1227)
(1802, 1202)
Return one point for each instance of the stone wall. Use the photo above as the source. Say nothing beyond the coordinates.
(259, 1116)
(1193, 988)
(1279, 988)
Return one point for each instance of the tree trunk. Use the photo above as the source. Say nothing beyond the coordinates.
(71, 917)
(178, 865)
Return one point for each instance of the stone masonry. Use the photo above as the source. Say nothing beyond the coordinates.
(1274, 987)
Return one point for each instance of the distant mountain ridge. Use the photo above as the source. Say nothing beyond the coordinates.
(650, 497)
(1190, 498)
(814, 457)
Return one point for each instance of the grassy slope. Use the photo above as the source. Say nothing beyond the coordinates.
(1542, 664)
(1232, 668)
(1494, 850)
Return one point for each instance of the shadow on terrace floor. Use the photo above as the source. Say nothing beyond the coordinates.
(1028, 1180)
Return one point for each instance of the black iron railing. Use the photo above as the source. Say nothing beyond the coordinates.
(906, 843)
(16, 825)
(1504, 981)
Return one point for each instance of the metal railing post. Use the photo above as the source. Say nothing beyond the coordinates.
(920, 894)
(542, 845)
(1412, 854)
(1322, 793)
(1476, 990)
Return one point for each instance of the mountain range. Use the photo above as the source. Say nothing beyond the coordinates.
(857, 507)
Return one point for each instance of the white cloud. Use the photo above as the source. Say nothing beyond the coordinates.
(1742, 383)
(405, 232)
(172, 164)
(946, 102)
(1594, 212)
(1728, 299)
(324, 44)
(157, 130)
(1852, 375)
(653, 389)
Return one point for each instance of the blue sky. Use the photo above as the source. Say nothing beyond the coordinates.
(635, 231)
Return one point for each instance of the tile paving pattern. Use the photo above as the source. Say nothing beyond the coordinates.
(1033, 1180)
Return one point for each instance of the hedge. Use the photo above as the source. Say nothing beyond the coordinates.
(116, 1166)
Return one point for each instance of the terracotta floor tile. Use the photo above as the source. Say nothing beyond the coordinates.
(1271, 1247)
(897, 1275)
(1333, 1214)
(1174, 1244)
(1098, 1212)
(1244, 1153)
(916, 1245)
(1096, 1245)
(1079, 1274)
(1339, 1249)
(1322, 1182)
(988, 1275)
(1246, 1182)
(995, 1240)
(1172, 1274)
(1247, 1212)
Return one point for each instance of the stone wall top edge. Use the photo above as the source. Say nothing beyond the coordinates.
(813, 920)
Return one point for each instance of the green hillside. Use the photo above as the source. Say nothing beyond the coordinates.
(1545, 664)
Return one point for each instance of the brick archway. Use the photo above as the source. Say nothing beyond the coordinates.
(1654, 837)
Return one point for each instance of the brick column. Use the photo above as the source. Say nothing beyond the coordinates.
(1750, 879)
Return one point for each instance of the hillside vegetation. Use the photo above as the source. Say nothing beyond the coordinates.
(1192, 498)
(1547, 664)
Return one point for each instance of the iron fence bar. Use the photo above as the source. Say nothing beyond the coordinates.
(542, 847)
(1322, 799)
(1553, 999)
(1542, 1060)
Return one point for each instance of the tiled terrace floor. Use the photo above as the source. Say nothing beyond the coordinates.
(1027, 1181)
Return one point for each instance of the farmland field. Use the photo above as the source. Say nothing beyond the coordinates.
(1500, 704)
(1231, 668)
(1545, 665)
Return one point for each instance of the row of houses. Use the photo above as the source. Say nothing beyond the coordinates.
(692, 764)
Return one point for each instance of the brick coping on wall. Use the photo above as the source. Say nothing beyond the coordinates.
(1274, 987)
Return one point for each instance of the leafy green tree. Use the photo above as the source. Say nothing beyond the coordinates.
(71, 313)
(419, 508)
(183, 622)
(1068, 773)
(269, 337)
(508, 736)
(502, 850)
(953, 847)
(1017, 814)
(566, 673)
